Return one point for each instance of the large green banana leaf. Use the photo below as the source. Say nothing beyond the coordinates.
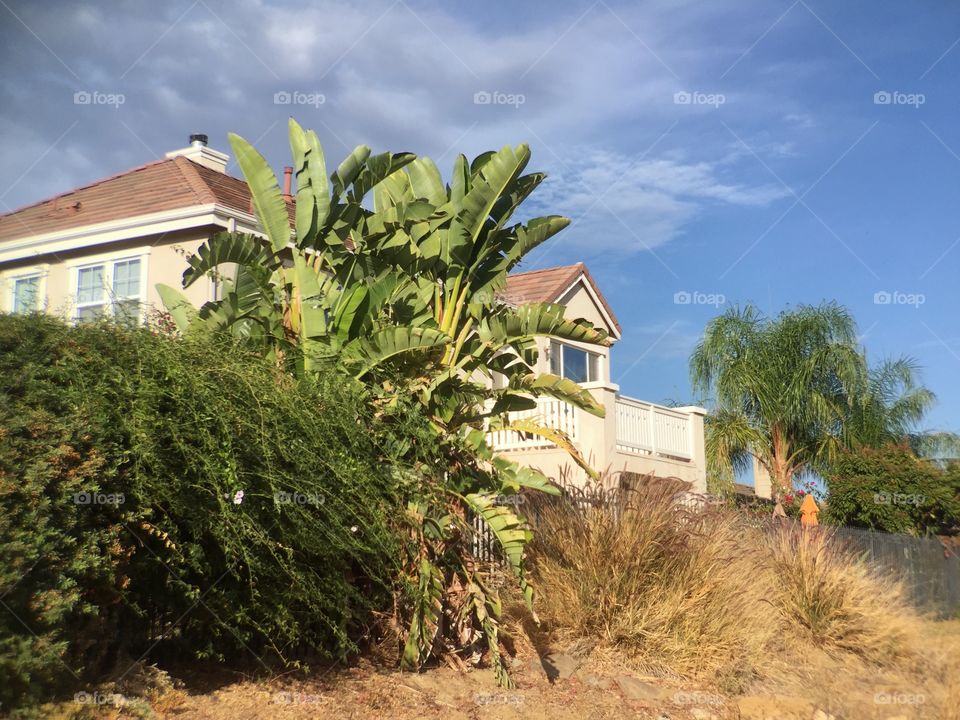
(513, 536)
(267, 199)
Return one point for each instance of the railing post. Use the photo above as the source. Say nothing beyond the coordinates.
(653, 429)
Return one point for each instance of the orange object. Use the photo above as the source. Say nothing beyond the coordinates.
(808, 511)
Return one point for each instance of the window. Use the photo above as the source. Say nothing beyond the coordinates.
(26, 294)
(573, 363)
(110, 287)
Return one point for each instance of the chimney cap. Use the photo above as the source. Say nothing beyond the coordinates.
(198, 138)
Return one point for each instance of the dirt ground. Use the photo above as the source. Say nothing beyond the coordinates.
(594, 687)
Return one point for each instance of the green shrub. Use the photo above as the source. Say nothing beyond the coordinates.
(164, 495)
(892, 490)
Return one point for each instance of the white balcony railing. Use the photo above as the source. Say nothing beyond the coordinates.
(645, 428)
(551, 413)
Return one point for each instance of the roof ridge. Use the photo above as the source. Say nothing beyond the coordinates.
(548, 269)
(189, 173)
(89, 185)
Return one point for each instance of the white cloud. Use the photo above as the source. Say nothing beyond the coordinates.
(607, 193)
(402, 76)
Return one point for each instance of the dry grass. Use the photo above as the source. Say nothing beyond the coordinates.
(828, 597)
(669, 587)
(702, 596)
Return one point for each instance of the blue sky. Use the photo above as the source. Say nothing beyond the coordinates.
(737, 152)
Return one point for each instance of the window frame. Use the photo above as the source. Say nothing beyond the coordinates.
(110, 302)
(594, 369)
(11, 279)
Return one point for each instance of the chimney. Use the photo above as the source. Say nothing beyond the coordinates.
(287, 178)
(198, 151)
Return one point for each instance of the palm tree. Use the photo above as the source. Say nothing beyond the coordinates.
(790, 392)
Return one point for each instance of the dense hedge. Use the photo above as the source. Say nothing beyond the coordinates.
(158, 495)
(892, 490)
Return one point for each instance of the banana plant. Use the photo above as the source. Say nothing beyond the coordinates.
(405, 294)
(281, 292)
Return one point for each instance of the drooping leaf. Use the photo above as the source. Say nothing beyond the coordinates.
(425, 620)
(267, 197)
(370, 352)
(512, 535)
(180, 308)
(559, 388)
(228, 248)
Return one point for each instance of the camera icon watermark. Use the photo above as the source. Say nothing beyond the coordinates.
(95, 97)
(684, 297)
(695, 97)
(296, 498)
(885, 498)
(498, 699)
(884, 297)
(98, 498)
(98, 698)
(895, 97)
(899, 698)
(484, 97)
(296, 97)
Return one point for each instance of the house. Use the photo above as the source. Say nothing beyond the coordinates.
(102, 248)
(634, 436)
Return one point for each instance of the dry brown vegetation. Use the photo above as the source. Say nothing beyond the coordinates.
(704, 596)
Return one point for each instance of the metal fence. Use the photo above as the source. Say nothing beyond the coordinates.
(928, 569)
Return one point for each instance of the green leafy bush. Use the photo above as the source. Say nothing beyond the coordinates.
(164, 495)
(892, 490)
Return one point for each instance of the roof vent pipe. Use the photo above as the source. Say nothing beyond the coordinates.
(198, 139)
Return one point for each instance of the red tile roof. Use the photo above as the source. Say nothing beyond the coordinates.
(168, 184)
(547, 285)
(178, 182)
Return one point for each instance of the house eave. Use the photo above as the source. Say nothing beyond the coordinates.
(113, 231)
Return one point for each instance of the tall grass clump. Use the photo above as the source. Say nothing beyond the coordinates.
(706, 593)
(669, 586)
(162, 497)
(827, 596)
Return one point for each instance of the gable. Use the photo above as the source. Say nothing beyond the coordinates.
(580, 301)
(569, 285)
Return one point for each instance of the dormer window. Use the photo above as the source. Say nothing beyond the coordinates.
(575, 364)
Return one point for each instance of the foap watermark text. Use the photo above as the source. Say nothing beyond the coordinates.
(484, 97)
(683, 297)
(695, 97)
(885, 297)
(96, 97)
(296, 97)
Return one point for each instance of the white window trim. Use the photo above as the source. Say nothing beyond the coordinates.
(600, 357)
(10, 285)
(108, 260)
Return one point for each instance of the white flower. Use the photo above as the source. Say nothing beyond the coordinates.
(238, 497)
(354, 529)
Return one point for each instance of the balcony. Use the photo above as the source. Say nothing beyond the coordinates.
(635, 436)
(550, 413)
(648, 429)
